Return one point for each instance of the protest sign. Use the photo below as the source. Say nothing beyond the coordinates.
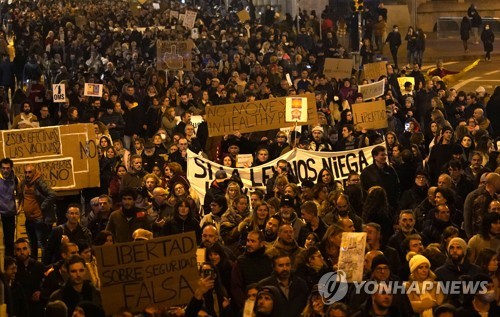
(173, 55)
(403, 80)
(372, 90)
(59, 93)
(174, 14)
(296, 109)
(305, 165)
(243, 15)
(375, 70)
(244, 160)
(352, 255)
(338, 68)
(93, 90)
(259, 115)
(162, 272)
(189, 19)
(370, 115)
(65, 155)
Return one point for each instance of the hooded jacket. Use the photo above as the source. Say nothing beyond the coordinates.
(37, 199)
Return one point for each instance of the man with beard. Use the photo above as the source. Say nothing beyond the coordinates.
(288, 215)
(29, 274)
(285, 244)
(25, 119)
(374, 243)
(76, 289)
(342, 211)
(250, 267)
(135, 174)
(271, 230)
(381, 303)
(124, 221)
(292, 287)
(406, 228)
(269, 302)
(457, 263)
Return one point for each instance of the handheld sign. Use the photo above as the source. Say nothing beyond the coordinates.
(296, 109)
(375, 70)
(372, 90)
(59, 93)
(93, 90)
(66, 155)
(251, 116)
(161, 271)
(370, 115)
(352, 255)
(338, 67)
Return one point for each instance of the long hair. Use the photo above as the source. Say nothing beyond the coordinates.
(375, 204)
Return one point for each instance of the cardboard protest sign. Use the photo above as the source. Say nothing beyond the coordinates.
(189, 19)
(296, 109)
(173, 55)
(352, 255)
(305, 165)
(338, 68)
(59, 93)
(243, 15)
(244, 160)
(174, 14)
(375, 70)
(66, 155)
(403, 80)
(259, 115)
(370, 115)
(93, 90)
(161, 271)
(372, 90)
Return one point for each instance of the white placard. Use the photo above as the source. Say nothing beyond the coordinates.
(59, 93)
(296, 109)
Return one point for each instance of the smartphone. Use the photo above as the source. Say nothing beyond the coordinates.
(407, 127)
(208, 273)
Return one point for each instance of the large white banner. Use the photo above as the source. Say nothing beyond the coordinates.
(305, 165)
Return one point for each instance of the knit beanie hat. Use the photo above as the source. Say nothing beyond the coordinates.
(417, 260)
(460, 242)
(378, 260)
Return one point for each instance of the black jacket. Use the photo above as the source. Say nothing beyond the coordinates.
(297, 296)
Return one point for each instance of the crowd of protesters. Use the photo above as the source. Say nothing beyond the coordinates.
(428, 202)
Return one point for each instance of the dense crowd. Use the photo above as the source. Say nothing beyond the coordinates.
(428, 202)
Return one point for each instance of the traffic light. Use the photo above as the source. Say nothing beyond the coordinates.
(357, 5)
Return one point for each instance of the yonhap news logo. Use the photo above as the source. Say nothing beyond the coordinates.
(333, 287)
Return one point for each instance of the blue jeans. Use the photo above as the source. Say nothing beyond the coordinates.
(38, 233)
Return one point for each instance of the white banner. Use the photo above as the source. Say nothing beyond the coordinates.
(372, 90)
(305, 165)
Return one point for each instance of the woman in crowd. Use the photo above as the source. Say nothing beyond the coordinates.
(421, 274)
(330, 246)
(487, 260)
(183, 220)
(376, 209)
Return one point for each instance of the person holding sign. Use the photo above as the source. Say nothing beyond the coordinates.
(26, 119)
